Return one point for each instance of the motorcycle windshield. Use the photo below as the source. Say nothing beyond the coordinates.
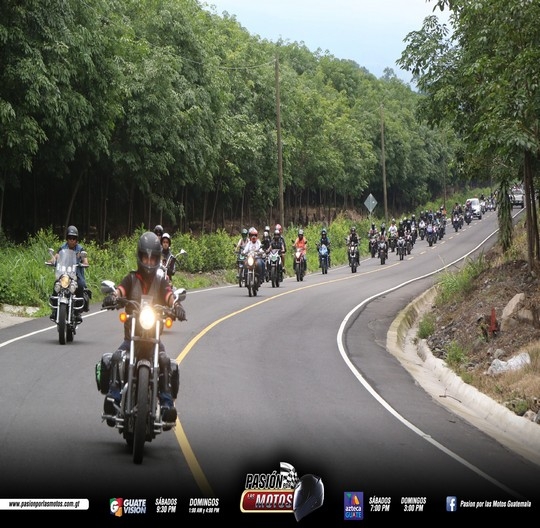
(66, 264)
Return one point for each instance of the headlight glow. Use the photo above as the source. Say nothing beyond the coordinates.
(64, 281)
(251, 260)
(147, 317)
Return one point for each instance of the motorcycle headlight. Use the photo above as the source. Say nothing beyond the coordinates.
(251, 260)
(147, 318)
(64, 281)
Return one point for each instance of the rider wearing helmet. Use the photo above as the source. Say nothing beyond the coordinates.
(254, 245)
(144, 281)
(352, 237)
(326, 241)
(301, 243)
(243, 240)
(266, 239)
(167, 258)
(277, 243)
(280, 229)
(72, 242)
(158, 230)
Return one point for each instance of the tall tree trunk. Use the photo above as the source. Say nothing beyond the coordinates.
(71, 202)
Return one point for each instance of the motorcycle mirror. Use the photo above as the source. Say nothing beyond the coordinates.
(180, 294)
(107, 286)
(84, 254)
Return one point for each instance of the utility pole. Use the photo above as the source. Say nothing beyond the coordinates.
(280, 152)
(383, 163)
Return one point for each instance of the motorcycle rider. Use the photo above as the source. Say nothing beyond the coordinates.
(166, 255)
(383, 238)
(72, 237)
(352, 237)
(301, 243)
(277, 243)
(266, 239)
(393, 233)
(243, 241)
(280, 229)
(254, 244)
(158, 230)
(135, 284)
(326, 241)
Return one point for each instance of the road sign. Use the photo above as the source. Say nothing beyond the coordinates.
(370, 203)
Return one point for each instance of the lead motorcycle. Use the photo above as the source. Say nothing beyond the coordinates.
(65, 304)
(138, 416)
(252, 272)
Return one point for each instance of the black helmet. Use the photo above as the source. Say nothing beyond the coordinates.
(72, 232)
(158, 230)
(308, 495)
(149, 245)
(323, 232)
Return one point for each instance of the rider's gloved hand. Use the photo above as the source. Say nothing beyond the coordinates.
(109, 301)
(179, 312)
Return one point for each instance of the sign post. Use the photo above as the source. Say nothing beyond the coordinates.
(370, 203)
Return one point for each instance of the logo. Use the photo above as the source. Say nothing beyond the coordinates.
(119, 507)
(451, 504)
(353, 505)
(115, 507)
(282, 492)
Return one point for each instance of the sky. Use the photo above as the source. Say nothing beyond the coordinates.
(369, 32)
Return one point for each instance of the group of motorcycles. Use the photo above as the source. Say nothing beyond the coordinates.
(247, 269)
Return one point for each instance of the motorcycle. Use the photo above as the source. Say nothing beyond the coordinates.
(431, 234)
(273, 267)
(408, 243)
(373, 246)
(383, 250)
(456, 223)
(252, 273)
(323, 258)
(392, 241)
(468, 216)
(299, 263)
(401, 248)
(138, 417)
(240, 268)
(67, 306)
(422, 229)
(354, 256)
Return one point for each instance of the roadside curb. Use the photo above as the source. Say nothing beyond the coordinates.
(448, 389)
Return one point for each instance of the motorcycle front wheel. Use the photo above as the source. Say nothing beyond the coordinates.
(141, 416)
(62, 324)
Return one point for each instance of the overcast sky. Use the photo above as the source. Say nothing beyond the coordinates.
(370, 32)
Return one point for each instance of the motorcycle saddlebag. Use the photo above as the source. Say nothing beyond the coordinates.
(103, 372)
(175, 379)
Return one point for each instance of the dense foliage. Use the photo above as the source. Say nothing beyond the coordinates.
(116, 114)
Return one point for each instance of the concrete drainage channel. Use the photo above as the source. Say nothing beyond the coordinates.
(448, 389)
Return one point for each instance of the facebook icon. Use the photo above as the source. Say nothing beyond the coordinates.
(451, 504)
